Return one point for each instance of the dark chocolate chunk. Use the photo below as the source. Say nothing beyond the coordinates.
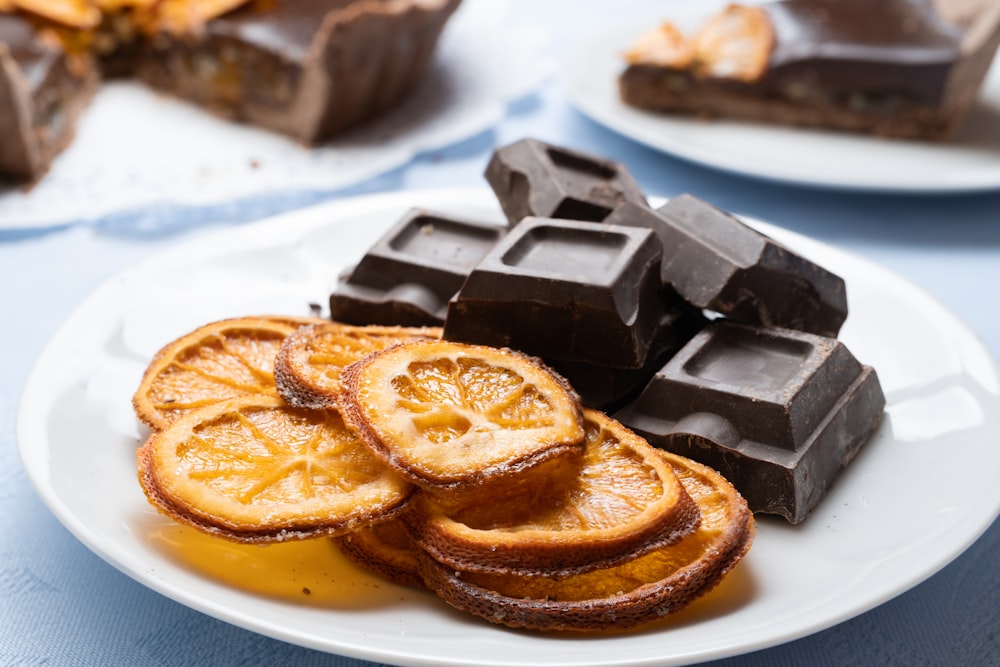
(778, 412)
(717, 262)
(41, 96)
(532, 178)
(408, 277)
(608, 388)
(567, 290)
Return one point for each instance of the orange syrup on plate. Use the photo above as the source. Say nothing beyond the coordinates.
(312, 572)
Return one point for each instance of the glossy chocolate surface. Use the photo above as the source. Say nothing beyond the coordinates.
(778, 412)
(843, 46)
(715, 261)
(608, 388)
(409, 275)
(534, 179)
(567, 290)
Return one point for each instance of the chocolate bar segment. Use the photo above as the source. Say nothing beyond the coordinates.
(567, 290)
(608, 388)
(41, 95)
(778, 412)
(717, 262)
(409, 275)
(534, 179)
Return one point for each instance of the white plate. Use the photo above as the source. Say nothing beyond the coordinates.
(969, 163)
(920, 492)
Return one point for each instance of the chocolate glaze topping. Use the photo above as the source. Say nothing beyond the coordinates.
(900, 46)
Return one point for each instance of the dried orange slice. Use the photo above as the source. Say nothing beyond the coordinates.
(614, 501)
(734, 44)
(188, 16)
(385, 549)
(77, 14)
(255, 470)
(662, 46)
(624, 596)
(221, 360)
(307, 369)
(446, 414)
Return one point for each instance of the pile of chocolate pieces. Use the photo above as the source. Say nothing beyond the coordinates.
(695, 330)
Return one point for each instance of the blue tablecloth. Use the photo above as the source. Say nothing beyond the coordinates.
(62, 605)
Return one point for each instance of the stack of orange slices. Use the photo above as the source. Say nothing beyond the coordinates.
(469, 470)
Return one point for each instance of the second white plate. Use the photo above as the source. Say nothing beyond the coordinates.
(969, 163)
(894, 518)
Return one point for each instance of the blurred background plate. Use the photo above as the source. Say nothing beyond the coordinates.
(968, 163)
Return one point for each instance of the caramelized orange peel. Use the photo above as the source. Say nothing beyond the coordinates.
(77, 14)
(188, 16)
(469, 470)
(664, 46)
(217, 361)
(447, 414)
(385, 549)
(309, 363)
(252, 469)
(624, 596)
(615, 501)
(735, 43)
(175, 16)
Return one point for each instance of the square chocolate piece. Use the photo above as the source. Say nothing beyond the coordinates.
(719, 263)
(567, 290)
(410, 274)
(535, 179)
(608, 388)
(778, 412)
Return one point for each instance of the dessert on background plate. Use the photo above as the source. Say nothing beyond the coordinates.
(304, 68)
(897, 68)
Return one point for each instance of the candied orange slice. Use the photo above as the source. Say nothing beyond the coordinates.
(626, 595)
(445, 414)
(662, 46)
(77, 14)
(189, 16)
(253, 469)
(614, 501)
(736, 43)
(307, 369)
(221, 360)
(385, 549)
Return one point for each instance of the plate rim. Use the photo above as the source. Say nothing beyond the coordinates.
(316, 217)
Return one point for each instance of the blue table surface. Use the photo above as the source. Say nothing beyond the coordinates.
(62, 605)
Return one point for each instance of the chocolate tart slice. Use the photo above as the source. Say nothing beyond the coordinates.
(304, 68)
(896, 68)
(42, 92)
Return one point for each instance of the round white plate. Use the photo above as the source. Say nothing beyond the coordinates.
(968, 163)
(918, 494)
